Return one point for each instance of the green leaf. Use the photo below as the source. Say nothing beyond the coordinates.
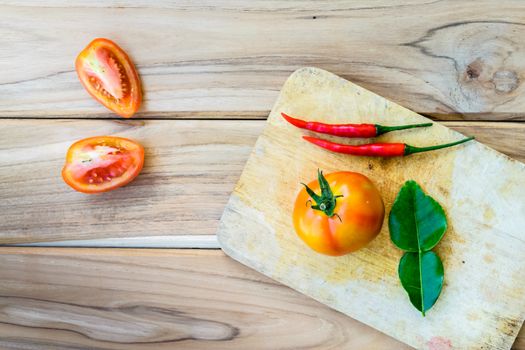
(421, 275)
(416, 222)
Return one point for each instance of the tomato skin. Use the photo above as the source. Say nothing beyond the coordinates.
(361, 211)
(102, 163)
(109, 76)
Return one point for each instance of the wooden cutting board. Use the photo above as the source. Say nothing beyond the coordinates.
(482, 305)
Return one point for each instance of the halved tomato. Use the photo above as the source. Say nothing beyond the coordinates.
(102, 163)
(110, 77)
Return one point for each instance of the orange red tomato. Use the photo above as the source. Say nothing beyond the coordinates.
(102, 163)
(108, 74)
(339, 213)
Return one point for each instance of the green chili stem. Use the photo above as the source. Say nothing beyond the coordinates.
(411, 149)
(381, 129)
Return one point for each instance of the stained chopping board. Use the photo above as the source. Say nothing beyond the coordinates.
(482, 304)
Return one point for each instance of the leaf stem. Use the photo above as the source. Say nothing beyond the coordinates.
(421, 283)
(419, 259)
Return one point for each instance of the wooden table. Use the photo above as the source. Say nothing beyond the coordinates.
(87, 276)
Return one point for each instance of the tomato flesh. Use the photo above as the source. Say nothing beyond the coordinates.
(104, 71)
(107, 73)
(360, 213)
(103, 163)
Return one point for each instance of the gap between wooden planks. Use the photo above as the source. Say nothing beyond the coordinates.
(155, 299)
(451, 59)
(191, 169)
(179, 241)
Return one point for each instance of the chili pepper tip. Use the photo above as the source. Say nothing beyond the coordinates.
(294, 121)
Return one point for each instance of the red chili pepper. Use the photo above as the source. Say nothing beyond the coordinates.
(349, 130)
(378, 149)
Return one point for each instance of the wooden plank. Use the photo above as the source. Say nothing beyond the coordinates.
(160, 299)
(451, 59)
(507, 138)
(152, 299)
(481, 190)
(191, 168)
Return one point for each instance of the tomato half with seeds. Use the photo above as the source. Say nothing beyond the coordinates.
(110, 77)
(339, 213)
(102, 163)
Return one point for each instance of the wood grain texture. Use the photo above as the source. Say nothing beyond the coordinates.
(482, 191)
(160, 299)
(450, 59)
(156, 299)
(198, 59)
(191, 168)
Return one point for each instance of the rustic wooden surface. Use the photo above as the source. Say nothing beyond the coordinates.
(223, 60)
(484, 202)
(191, 168)
(452, 59)
(57, 298)
(160, 299)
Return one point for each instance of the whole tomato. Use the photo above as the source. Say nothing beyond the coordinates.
(339, 213)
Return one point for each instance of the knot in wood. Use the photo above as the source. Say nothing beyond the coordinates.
(505, 81)
(474, 70)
